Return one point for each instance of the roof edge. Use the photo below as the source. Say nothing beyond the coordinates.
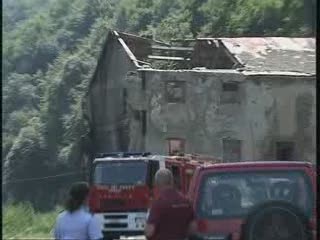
(277, 73)
(131, 56)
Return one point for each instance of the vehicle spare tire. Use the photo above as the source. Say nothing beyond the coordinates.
(276, 220)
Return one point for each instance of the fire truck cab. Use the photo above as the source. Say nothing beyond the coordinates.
(121, 188)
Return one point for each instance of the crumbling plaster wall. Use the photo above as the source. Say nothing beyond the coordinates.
(281, 108)
(271, 109)
(135, 106)
(108, 120)
(201, 120)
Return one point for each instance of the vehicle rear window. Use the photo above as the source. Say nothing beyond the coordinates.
(234, 194)
(120, 173)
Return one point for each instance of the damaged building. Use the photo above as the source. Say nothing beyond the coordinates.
(234, 98)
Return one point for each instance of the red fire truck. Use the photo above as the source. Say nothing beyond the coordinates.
(121, 191)
(122, 187)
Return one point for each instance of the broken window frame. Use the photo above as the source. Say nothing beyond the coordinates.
(230, 93)
(181, 85)
(172, 149)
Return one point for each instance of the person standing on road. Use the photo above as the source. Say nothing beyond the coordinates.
(171, 215)
(76, 222)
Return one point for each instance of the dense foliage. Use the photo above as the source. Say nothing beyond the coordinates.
(22, 221)
(50, 50)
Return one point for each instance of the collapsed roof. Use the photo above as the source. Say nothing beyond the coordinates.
(245, 53)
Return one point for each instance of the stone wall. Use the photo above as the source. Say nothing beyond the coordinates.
(106, 100)
(282, 109)
(220, 107)
(225, 113)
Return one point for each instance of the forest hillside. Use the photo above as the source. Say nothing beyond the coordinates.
(51, 48)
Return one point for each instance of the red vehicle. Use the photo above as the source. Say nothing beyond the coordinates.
(121, 191)
(255, 200)
(122, 187)
(184, 166)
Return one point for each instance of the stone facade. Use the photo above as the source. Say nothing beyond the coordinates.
(231, 114)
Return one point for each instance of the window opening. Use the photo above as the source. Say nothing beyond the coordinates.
(284, 151)
(175, 91)
(176, 146)
(231, 150)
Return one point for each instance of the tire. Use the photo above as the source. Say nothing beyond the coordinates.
(276, 220)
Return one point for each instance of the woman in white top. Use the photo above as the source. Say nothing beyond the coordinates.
(76, 222)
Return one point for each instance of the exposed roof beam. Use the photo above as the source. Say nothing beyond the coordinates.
(168, 58)
(183, 40)
(173, 48)
(127, 50)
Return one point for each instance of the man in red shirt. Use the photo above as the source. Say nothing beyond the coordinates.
(171, 215)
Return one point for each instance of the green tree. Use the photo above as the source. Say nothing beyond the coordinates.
(50, 50)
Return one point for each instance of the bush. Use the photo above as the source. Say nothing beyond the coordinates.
(21, 220)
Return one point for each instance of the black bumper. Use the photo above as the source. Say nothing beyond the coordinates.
(117, 235)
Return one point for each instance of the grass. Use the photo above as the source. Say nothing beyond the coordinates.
(22, 221)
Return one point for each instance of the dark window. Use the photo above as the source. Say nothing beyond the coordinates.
(175, 91)
(176, 146)
(231, 150)
(230, 87)
(230, 93)
(284, 151)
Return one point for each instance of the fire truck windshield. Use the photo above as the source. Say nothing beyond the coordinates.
(131, 172)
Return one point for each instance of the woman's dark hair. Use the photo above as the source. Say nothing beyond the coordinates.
(77, 195)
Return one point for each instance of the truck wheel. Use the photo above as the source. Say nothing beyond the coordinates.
(276, 220)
